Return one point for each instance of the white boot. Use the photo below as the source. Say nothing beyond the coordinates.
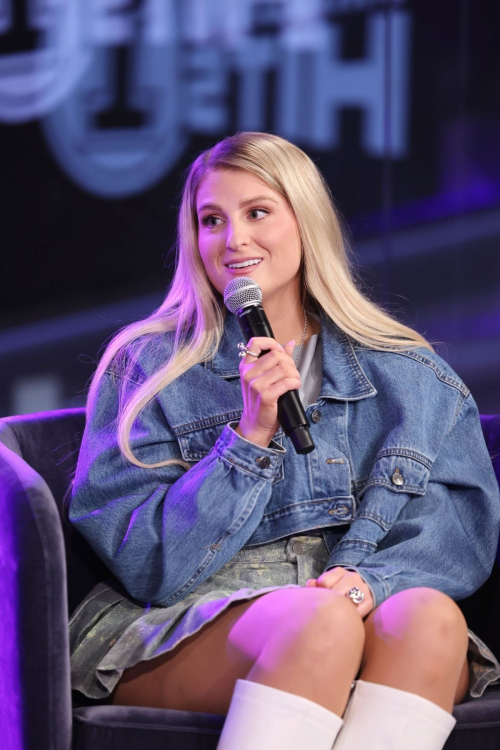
(384, 718)
(265, 718)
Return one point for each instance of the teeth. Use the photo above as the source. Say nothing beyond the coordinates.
(245, 263)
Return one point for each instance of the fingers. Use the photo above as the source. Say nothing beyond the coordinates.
(274, 354)
(264, 380)
(365, 607)
(275, 366)
(331, 579)
(333, 576)
(342, 581)
(273, 392)
(259, 344)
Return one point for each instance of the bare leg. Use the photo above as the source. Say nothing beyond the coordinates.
(417, 641)
(304, 641)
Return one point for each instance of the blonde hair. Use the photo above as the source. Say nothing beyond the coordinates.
(193, 309)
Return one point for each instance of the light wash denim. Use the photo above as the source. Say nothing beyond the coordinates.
(400, 458)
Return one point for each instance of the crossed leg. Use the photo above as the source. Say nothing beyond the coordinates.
(296, 639)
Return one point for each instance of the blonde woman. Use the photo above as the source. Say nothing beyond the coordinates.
(310, 598)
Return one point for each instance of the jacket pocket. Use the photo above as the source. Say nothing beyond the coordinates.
(197, 444)
(397, 476)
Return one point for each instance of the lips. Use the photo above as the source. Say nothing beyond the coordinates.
(245, 271)
(243, 260)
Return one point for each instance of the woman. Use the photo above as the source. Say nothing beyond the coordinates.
(257, 582)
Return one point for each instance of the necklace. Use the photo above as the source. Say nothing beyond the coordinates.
(297, 356)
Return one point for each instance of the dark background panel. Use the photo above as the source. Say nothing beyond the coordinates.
(77, 261)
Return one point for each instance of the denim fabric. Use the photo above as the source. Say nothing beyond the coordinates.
(400, 457)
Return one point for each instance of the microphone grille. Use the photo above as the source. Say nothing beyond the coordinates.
(241, 292)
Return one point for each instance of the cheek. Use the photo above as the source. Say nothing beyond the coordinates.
(209, 257)
(287, 240)
(208, 250)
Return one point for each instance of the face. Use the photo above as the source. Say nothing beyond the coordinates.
(240, 218)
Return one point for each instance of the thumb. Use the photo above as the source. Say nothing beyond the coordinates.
(289, 347)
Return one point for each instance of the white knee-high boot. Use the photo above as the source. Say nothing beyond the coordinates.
(384, 718)
(265, 718)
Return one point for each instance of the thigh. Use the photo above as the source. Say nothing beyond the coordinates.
(184, 678)
(199, 674)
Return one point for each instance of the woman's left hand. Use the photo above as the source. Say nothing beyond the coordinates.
(342, 580)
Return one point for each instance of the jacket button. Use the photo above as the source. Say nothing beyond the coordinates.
(298, 548)
(316, 415)
(397, 478)
(263, 461)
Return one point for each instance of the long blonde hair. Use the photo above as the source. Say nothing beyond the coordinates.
(194, 311)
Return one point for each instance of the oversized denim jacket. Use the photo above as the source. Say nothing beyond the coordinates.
(400, 481)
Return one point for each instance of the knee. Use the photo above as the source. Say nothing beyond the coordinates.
(298, 622)
(428, 620)
(330, 619)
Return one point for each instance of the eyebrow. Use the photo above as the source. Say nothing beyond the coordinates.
(242, 204)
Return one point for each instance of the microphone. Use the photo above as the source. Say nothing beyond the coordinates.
(243, 297)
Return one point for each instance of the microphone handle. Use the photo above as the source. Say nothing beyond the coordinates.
(291, 415)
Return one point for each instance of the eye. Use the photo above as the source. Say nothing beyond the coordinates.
(205, 221)
(257, 210)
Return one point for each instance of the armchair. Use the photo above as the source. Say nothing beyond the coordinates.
(48, 568)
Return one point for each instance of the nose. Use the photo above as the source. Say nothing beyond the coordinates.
(236, 236)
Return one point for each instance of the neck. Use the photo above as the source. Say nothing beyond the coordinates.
(287, 321)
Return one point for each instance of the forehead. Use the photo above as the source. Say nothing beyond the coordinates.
(232, 185)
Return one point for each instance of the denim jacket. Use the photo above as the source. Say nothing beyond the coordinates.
(400, 482)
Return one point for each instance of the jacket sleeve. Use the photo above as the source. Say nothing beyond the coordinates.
(445, 539)
(164, 531)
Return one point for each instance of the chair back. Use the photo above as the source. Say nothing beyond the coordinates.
(49, 442)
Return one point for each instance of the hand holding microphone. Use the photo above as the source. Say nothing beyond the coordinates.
(263, 380)
(270, 384)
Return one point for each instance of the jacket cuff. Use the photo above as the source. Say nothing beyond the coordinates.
(236, 450)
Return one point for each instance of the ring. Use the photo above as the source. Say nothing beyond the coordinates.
(356, 595)
(244, 351)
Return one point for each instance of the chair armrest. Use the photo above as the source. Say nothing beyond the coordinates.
(34, 654)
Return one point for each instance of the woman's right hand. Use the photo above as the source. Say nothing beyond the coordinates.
(263, 381)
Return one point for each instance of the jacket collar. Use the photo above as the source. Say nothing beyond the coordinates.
(343, 377)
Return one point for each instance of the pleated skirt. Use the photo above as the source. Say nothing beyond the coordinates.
(109, 631)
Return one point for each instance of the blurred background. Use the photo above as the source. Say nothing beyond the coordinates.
(104, 103)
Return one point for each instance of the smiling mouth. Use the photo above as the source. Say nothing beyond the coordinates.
(245, 264)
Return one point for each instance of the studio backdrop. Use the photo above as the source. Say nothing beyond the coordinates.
(104, 103)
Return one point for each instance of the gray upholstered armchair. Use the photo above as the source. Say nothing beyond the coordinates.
(46, 570)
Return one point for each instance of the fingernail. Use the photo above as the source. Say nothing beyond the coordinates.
(291, 342)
